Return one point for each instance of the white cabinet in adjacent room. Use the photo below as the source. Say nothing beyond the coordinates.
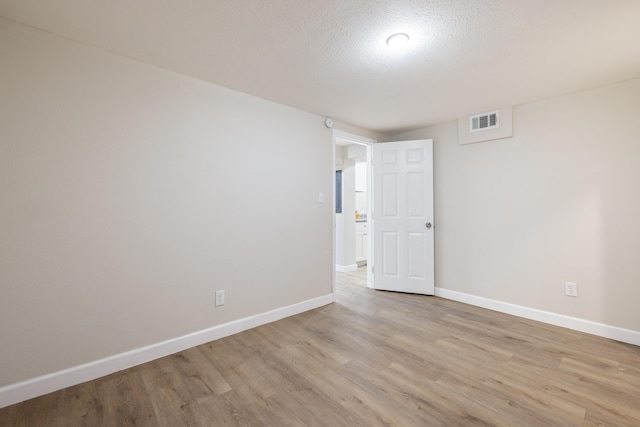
(361, 176)
(361, 243)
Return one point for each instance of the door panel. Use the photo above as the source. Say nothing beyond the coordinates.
(415, 190)
(403, 205)
(416, 255)
(390, 254)
(390, 190)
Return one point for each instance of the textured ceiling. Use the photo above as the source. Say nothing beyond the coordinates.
(329, 57)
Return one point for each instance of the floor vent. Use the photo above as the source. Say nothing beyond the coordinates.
(483, 121)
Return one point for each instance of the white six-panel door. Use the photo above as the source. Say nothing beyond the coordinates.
(403, 216)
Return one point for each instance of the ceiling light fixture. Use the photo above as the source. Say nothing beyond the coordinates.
(398, 39)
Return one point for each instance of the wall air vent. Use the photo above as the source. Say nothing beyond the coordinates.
(483, 121)
(483, 127)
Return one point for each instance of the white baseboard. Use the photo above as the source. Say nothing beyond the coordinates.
(600, 329)
(38, 386)
(346, 268)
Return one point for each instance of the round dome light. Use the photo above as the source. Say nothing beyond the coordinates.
(398, 39)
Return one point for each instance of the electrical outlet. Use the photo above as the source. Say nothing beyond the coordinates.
(571, 289)
(219, 298)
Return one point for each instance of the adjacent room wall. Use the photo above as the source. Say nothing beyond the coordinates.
(345, 221)
(130, 194)
(515, 218)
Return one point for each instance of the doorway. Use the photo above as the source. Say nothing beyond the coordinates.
(402, 242)
(352, 204)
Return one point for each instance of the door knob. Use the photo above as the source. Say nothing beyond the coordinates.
(428, 225)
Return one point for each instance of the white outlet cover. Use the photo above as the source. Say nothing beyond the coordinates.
(571, 289)
(219, 298)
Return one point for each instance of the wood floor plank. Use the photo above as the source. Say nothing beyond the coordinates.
(124, 399)
(171, 399)
(331, 384)
(420, 405)
(200, 377)
(371, 359)
(80, 406)
(245, 401)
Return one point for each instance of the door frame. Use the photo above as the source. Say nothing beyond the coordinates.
(346, 137)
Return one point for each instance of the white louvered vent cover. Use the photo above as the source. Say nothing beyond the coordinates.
(483, 121)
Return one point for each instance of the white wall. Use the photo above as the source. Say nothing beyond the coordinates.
(129, 194)
(345, 221)
(339, 231)
(559, 201)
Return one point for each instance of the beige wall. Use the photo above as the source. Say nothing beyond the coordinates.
(559, 201)
(130, 194)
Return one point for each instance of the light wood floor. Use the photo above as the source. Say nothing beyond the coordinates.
(371, 359)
